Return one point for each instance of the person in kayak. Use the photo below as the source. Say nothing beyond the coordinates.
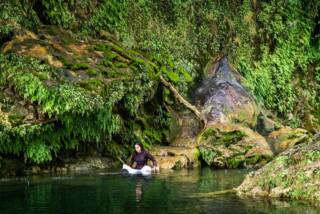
(141, 158)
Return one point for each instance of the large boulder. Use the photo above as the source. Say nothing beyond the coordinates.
(294, 174)
(227, 140)
(170, 157)
(222, 98)
(231, 146)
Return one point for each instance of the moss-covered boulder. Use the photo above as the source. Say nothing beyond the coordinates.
(287, 137)
(231, 146)
(294, 174)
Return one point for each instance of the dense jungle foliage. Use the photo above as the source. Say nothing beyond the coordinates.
(275, 46)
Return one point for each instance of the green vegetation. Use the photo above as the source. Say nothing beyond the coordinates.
(273, 44)
(72, 113)
(294, 173)
(226, 139)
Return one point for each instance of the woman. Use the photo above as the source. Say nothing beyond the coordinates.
(141, 158)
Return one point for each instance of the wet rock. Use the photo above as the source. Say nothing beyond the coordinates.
(35, 169)
(11, 167)
(86, 163)
(258, 192)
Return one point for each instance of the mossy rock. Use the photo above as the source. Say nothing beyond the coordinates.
(232, 146)
(78, 66)
(92, 72)
(79, 100)
(294, 174)
(287, 137)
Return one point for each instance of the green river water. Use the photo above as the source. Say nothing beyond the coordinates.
(167, 192)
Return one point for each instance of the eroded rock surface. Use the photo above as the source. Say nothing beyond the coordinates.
(222, 98)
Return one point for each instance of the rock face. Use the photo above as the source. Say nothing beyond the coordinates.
(9, 167)
(222, 98)
(294, 173)
(227, 141)
(266, 125)
(231, 146)
(87, 163)
(187, 131)
(171, 157)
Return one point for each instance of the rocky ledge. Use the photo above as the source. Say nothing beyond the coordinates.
(294, 173)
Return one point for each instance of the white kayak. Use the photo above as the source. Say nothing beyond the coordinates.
(146, 170)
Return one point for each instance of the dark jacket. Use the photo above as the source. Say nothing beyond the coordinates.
(142, 159)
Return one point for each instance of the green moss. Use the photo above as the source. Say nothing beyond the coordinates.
(93, 109)
(120, 65)
(110, 55)
(107, 63)
(196, 154)
(178, 165)
(234, 162)
(232, 137)
(15, 119)
(92, 72)
(115, 73)
(91, 84)
(218, 138)
(15, 15)
(78, 66)
(208, 154)
(253, 160)
(208, 133)
(123, 59)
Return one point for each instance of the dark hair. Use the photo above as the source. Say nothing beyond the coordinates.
(141, 146)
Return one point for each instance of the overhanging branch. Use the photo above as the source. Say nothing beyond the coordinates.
(183, 101)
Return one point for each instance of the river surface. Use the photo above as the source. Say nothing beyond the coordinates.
(167, 192)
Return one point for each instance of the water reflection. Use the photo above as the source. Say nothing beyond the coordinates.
(162, 193)
(138, 191)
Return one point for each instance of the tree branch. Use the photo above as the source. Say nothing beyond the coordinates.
(183, 101)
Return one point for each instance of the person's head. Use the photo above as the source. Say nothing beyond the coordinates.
(138, 147)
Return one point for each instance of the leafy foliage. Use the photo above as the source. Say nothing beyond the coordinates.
(15, 15)
(71, 114)
(274, 44)
(57, 12)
